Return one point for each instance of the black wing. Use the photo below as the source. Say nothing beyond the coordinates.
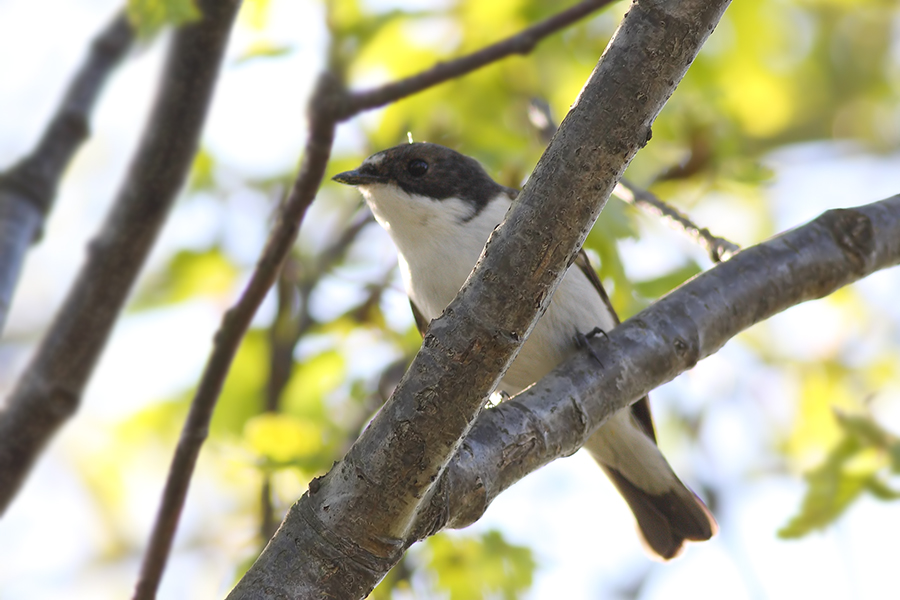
(641, 408)
(421, 322)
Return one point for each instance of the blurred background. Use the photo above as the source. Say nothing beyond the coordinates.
(788, 433)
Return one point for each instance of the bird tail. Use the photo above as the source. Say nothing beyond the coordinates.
(668, 513)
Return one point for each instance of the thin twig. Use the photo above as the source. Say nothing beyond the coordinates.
(27, 189)
(322, 124)
(288, 329)
(719, 248)
(50, 389)
(520, 43)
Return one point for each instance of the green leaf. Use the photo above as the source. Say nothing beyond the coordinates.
(190, 274)
(311, 381)
(242, 394)
(830, 493)
(264, 50)
(479, 567)
(654, 288)
(855, 464)
(149, 16)
(894, 453)
(882, 490)
(202, 172)
(282, 439)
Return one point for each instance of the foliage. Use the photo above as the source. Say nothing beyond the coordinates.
(812, 75)
(861, 461)
(149, 16)
(774, 74)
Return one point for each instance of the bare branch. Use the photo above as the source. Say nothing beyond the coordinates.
(322, 124)
(555, 417)
(287, 329)
(719, 249)
(50, 389)
(27, 189)
(520, 43)
(355, 523)
(328, 105)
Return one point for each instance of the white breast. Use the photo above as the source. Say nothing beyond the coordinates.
(439, 243)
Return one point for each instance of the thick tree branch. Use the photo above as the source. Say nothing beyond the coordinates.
(328, 106)
(28, 188)
(719, 249)
(556, 416)
(354, 524)
(520, 43)
(50, 389)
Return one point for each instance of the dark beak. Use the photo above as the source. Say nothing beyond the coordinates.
(358, 178)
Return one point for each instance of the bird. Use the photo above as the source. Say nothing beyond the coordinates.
(439, 207)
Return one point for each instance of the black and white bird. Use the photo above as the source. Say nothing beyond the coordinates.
(439, 207)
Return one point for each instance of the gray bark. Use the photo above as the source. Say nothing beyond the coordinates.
(355, 523)
(27, 190)
(555, 417)
(50, 389)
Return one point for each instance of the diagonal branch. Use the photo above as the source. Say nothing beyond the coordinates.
(50, 389)
(315, 157)
(328, 105)
(355, 522)
(719, 248)
(520, 43)
(555, 417)
(27, 189)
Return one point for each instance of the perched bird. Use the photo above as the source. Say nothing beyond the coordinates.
(439, 207)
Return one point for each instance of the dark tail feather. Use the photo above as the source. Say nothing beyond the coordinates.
(668, 520)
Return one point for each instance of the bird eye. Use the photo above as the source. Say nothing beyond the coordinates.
(417, 167)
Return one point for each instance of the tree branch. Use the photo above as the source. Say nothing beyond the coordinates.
(719, 249)
(50, 389)
(322, 123)
(556, 416)
(294, 287)
(520, 43)
(328, 105)
(27, 189)
(355, 522)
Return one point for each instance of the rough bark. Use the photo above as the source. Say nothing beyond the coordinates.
(329, 104)
(50, 389)
(355, 523)
(556, 416)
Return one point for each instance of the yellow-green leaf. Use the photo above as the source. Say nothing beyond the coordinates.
(149, 16)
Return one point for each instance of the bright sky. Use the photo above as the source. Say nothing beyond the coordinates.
(580, 529)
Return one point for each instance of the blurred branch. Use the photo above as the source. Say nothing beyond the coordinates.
(294, 287)
(322, 122)
(50, 389)
(27, 189)
(355, 523)
(520, 43)
(553, 419)
(719, 249)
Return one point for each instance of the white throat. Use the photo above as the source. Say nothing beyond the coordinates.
(438, 241)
